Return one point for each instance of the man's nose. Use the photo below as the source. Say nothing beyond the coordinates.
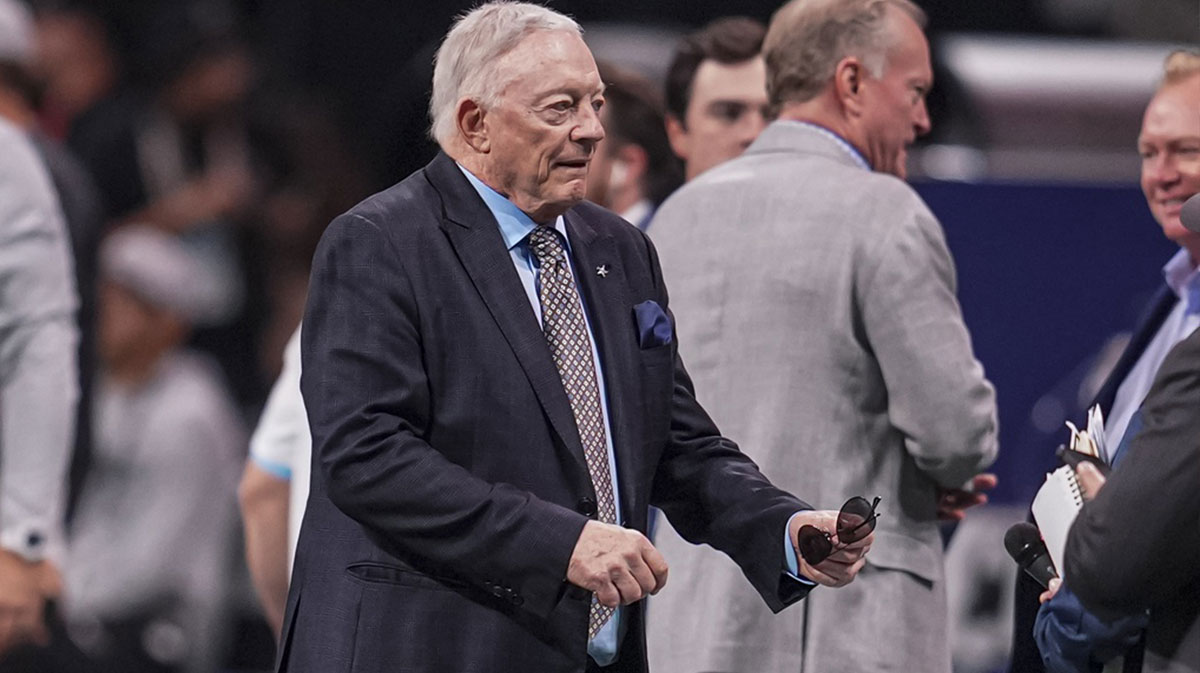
(589, 129)
(921, 123)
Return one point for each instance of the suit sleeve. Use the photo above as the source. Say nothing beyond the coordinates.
(1072, 639)
(937, 394)
(1137, 542)
(368, 399)
(38, 339)
(714, 494)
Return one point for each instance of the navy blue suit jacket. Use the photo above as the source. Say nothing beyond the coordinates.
(449, 484)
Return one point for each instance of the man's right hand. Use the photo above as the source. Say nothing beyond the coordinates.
(617, 564)
(24, 589)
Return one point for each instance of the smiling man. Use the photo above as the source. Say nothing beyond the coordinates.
(1064, 636)
(496, 399)
(816, 303)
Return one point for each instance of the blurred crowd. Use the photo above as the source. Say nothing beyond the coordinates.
(193, 188)
(197, 164)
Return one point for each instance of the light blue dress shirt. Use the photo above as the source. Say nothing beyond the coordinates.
(841, 142)
(1183, 319)
(515, 227)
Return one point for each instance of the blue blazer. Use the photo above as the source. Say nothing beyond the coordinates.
(449, 483)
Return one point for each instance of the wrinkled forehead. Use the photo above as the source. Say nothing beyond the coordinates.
(1172, 113)
(547, 61)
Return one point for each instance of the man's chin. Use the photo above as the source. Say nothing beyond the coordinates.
(1172, 228)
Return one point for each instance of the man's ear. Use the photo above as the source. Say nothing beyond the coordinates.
(470, 117)
(677, 135)
(849, 77)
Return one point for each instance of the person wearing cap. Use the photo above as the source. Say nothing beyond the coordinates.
(150, 543)
(38, 388)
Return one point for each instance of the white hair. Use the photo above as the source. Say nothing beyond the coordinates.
(465, 64)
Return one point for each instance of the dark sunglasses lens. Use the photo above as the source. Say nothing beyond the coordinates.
(814, 544)
(855, 520)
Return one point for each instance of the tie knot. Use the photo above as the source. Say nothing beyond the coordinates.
(546, 246)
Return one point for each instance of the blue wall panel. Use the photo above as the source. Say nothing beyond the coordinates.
(1046, 274)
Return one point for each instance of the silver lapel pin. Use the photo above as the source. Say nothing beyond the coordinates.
(602, 271)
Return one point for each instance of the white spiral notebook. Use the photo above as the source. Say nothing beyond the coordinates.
(1059, 499)
(1054, 508)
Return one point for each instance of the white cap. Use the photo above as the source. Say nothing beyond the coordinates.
(16, 32)
(160, 269)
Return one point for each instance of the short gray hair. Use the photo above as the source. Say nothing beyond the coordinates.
(808, 38)
(465, 64)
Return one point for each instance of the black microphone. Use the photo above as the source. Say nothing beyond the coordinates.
(1024, 544)
(1189, 215)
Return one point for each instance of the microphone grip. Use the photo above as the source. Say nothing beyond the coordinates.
(1041, 569)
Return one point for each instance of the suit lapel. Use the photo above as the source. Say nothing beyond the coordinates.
(476, 238)
(607, 298)
(1147, 327)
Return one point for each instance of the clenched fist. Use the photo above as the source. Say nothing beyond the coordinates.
(617, 564)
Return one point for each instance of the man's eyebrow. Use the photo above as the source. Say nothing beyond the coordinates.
(574, 92)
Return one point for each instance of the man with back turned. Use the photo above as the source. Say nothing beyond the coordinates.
(816, 304)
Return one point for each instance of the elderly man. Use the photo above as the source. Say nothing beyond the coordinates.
(716, 96)
(495, 397)
(817, 307)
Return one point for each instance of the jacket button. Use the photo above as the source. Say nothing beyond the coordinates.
(586, 507)
(498, 591)
(516, 599)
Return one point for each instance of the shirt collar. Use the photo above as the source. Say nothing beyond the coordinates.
(841, 142)
(1181, 276)
(515, 225)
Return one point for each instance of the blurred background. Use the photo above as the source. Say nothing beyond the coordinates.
(241, 128)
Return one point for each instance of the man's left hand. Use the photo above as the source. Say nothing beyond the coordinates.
(953, 503)
(842, 565)
(1090, 480)
(24, 589)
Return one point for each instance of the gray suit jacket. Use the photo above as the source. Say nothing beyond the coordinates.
(1137, 544)
(815, 301)
(39, 387)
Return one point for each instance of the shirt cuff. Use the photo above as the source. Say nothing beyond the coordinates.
(277, 470)
(789, 554)
(26, 542)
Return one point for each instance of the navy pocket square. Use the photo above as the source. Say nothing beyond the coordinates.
(653, 325)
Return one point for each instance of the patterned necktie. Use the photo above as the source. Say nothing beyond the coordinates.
(567, 335)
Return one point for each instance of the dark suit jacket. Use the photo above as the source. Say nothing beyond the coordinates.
(1026, 658)
(449, 484)
(1137, 544)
